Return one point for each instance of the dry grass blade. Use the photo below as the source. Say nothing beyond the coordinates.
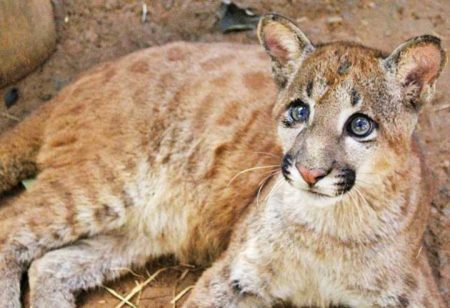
(10, 116)
(418, 252)
(140, 286)
(138, 301)
(442, 107)
(183, 275)
(181, 294)
(129, 270)
(115, 294)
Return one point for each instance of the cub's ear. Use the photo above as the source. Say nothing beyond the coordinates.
(285, 43)
(415, 65)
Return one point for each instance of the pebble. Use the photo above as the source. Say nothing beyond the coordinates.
(334, 19)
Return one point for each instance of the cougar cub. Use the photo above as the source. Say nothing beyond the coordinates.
(173, 149)
(343, 224)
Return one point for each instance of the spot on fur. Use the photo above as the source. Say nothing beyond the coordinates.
(64, 140)
(217, 62)
(356, 98)
(139, 67)
(411, 282)
(256, 81)
(175, 54)
(403, 300)
(220, 81)
(309, 88)
(138, 96)
(344, 67)
(109, 74)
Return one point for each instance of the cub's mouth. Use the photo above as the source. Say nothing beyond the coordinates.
(318, 183)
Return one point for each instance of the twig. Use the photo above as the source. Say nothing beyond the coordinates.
(10, 116)
(129, 270)
(115, 294)
(181, 294)
(420, 250)
(144, 12)
(139, 287)
(183, 275)
(443, 107)
(138, 301)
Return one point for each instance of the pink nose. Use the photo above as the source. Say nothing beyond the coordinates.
(311, 176)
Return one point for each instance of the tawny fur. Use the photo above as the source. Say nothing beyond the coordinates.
(144, 157)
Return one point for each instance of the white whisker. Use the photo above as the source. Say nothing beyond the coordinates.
(263, 183)
(269, 154)
(274, 189)
(251, 169)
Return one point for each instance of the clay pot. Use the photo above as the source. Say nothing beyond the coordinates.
(27, 37)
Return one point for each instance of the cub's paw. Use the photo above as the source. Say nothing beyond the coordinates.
(237, 287)
(245, 286)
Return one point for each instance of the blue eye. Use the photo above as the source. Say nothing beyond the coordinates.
(299, 113)
(360, 126)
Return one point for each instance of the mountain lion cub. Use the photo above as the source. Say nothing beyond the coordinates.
(177, 149)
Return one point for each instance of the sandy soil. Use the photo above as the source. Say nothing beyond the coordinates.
(92, 31)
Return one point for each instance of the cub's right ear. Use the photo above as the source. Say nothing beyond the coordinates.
(285, 43)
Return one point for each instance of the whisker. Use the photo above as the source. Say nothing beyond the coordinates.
(363, 198)
(274, 189)
(269, 154)
(359, 212)
(266, 199)
(266, 179)
(250, 169)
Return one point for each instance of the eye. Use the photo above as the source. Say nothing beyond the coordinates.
(360, 126)
(299, 112)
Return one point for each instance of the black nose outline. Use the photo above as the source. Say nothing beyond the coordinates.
(285, 164)
(317, 178)
(348, 177)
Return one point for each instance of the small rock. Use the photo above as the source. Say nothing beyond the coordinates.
(446, 212)
(59, 83)
(91, 36)
(334, 20)
(301, 19)
(11, 96)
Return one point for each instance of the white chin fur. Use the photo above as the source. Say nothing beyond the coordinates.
(311, 199)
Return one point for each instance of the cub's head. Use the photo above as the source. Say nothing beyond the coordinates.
(345, 112)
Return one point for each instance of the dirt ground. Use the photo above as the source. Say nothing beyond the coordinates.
(92, 31)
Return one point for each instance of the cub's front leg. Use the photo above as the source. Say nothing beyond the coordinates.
(228, 285)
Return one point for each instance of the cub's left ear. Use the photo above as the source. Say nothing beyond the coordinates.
(416, 64)
(285, 43)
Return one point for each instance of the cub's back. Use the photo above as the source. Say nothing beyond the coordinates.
(181, 90)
